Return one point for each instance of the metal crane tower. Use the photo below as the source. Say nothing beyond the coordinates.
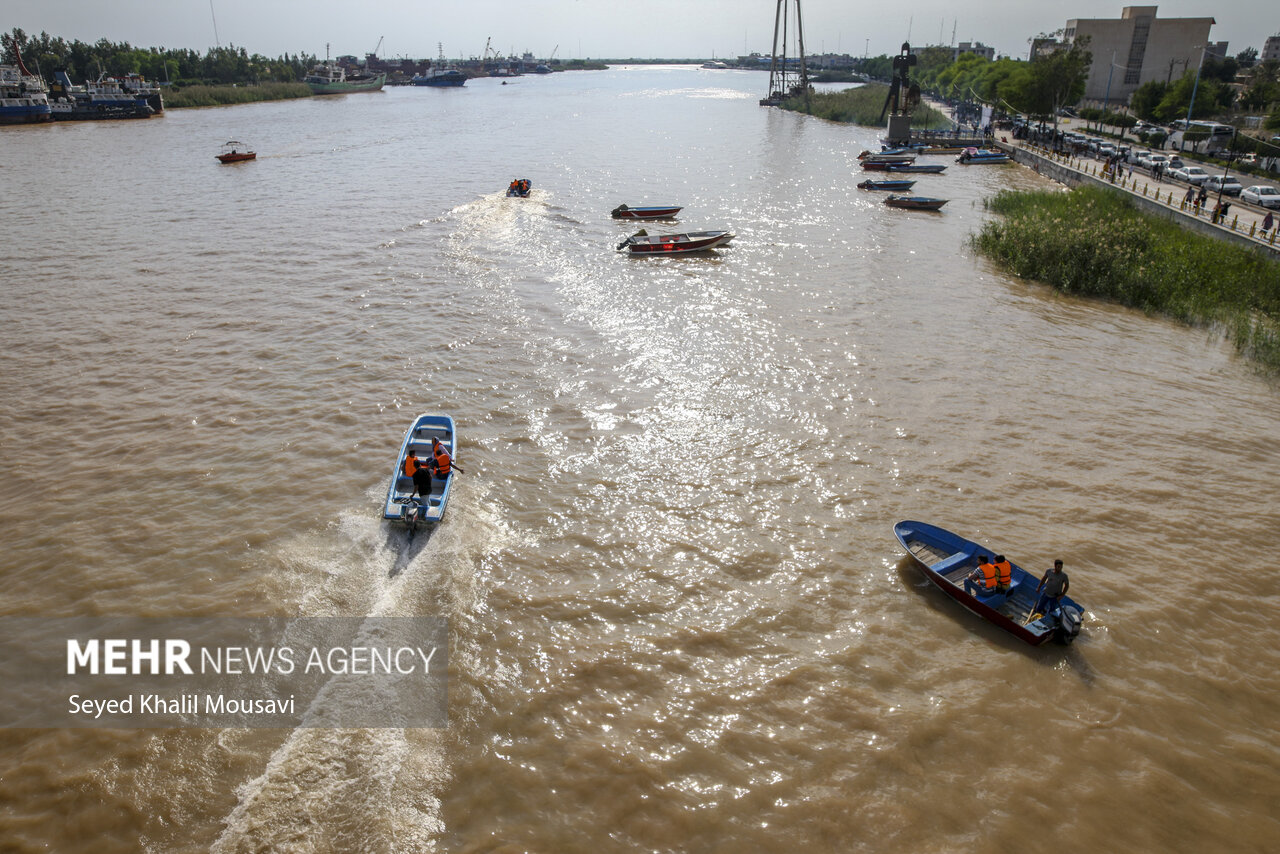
(788, 77)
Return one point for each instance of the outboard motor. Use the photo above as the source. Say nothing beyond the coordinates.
(1069, 620)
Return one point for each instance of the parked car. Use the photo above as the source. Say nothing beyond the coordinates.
(1262, 195)
(1106, 150)
(1227, 184)
(1156, 160)
(1175, 162)
(1190, 174)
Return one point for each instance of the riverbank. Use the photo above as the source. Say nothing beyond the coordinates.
(217, 96)
(862, 106)
(1094, 242)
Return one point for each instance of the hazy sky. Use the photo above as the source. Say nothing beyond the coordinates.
(592, 28)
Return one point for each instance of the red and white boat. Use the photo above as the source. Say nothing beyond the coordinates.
(235, 152)
(643, 243)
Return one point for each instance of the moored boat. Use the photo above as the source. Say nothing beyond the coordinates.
(947, 559)
(520, 188)
(234, 151)
(24, 99)
(643, 243)
(915, 203)
(645, 212)
(917, 168)
(973, 156)
(402, 504)
(892, 185)
(890, 156)
(442, 73)
(330, 78)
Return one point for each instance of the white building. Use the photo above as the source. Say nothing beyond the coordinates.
(1138, 48)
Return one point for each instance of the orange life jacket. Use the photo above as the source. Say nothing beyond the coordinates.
(443, 463)
(988, 575)
(1005, 572)
(411, 466)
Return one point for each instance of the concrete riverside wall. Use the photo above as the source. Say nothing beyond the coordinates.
(1073, 177)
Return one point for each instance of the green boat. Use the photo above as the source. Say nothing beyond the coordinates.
(330, 78)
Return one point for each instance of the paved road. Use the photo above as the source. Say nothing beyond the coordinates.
(1244, 219)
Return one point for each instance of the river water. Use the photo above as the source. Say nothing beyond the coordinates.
(679, 619)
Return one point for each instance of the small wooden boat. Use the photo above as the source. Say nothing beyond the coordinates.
(915, 203)
(918, 168)
(643, 243)
(645, 212)
(973, 156)
(942, 149)
(520, 188)
(894, 186)
(879, 165)
(402, 505)
(947, 559)
(236, 152)
(866, 157)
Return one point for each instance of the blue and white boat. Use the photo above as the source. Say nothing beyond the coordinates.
(441, 73)
(973, 156)
(402, 505)
(947, 559)
(23, 96)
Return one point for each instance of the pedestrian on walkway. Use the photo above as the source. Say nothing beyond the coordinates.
(1201, 199)
(1267, 222)
(1191, 194)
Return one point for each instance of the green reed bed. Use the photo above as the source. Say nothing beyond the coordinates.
(862, 106)
(214, 96)
(1094, 242)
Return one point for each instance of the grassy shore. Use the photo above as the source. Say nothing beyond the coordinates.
(1094, 242)
(863, 106)
(214, 96)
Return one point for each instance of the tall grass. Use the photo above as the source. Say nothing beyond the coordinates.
(862, 106)
(1094, 242)
(213, 96)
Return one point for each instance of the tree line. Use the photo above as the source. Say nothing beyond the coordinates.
(218, 65)
(1052, 80)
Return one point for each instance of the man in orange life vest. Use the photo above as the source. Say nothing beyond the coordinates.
(1004, 574)
(441, 463)
(982, 581)
(421, 474)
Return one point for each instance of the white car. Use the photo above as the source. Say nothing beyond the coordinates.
(1154, 160)
(1261, 195)
(1190, 174)
(1227, 184)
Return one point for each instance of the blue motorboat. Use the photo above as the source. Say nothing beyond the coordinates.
(973, 156)
(947, 559)
(402, 504)
(520, 188)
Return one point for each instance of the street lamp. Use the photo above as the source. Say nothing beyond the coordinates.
(1106, 99)
(1194, 86)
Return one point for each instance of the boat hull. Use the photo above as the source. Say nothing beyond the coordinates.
(645, 212)
(237, 158)
(887, 185)
(946, 559)
(676, 244)
(400, 502)
(918, 168)
(915, 203)
(345, 87)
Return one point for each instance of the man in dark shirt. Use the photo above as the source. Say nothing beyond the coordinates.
(1052, 587)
